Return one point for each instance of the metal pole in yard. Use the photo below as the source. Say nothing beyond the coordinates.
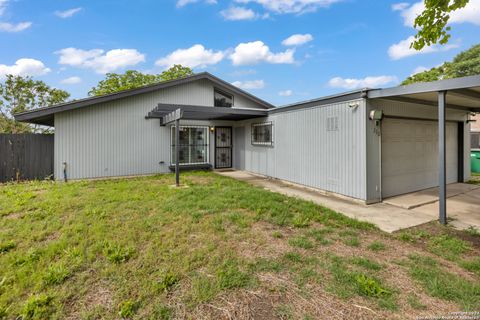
(177, 152)
(442, 168)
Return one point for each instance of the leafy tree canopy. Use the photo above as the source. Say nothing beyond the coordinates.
(431, 24)
(132, 79)
(19, 94)
(466, 63)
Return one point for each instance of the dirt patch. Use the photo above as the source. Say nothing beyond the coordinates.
(13, 216)
(97, 296)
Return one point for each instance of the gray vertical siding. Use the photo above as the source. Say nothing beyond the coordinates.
(408, 110)
(305, 152)
(115, 139)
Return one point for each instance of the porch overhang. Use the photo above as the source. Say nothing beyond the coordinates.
(460, 94)
(192, 112)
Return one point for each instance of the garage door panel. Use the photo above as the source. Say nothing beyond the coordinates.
(410, 155)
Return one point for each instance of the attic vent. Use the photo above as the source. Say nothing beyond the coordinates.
(332, 124)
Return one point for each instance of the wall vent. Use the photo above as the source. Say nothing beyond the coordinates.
(332, 124)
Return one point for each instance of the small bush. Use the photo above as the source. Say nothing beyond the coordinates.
(38, 307)
(127, 309)
(116, 253)
(56, 274)
(370, 287)
(301, 242)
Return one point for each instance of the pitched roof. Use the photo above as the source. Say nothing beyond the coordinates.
(45, 116)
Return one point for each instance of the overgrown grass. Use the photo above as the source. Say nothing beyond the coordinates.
(137, 248)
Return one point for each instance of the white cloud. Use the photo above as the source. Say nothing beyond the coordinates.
(249, 85)
(10, 27)
(71, 80)
(181, 3)
(238, 13)
(3, 5)
(251, 53)
(195, 56)
(402, 49)
(292, 6)
(469, 14)
(67, 13)
(367, 82)
(297, 39)
(285, 93)
(24, 67)
(419, 69)
(99, 60)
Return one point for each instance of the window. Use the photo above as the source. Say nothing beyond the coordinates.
(262, 134)
(193, 145)
(475, 136)
(223, 99)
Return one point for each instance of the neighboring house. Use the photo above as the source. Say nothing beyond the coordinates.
(475, 132)
(333, 143)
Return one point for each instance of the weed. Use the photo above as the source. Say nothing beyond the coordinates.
(319, 235)
(162, 312)
(56, 274)
(370, 287)
(266, 265)
(352, 241)
(204, 288)
(128, 308)
(376, 246)
(300, 221)
(277, 234)
(406, 237)
(415, 303)
(447, 246)
(301, 242)
(230, 276)
(38, 307)
(116, 253)
(7, 246)
(167, 281)
(293, 257)
(472, 265)
(366, 263)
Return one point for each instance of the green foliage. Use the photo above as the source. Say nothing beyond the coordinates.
(352, 241)
(116, 253)
(167, 281)
(415, 303)
(366, 263)
(56, 274)
(127, 309)
(376, 246)
(19, 94)
(301, 242)
(448, 246)
(466, 63)
(445, 285)
(431, 24)
(472, 265)
(132, 79)
(162, 312)
(370, 287)
(230, 276)
(7, 246)
(38, 307)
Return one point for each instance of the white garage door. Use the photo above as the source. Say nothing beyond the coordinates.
(410, 155)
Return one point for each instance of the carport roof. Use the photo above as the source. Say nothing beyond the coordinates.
(462, 93)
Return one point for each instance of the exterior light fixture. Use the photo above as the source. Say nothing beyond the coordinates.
(212, 129)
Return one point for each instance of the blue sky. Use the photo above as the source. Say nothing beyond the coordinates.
(337, 45)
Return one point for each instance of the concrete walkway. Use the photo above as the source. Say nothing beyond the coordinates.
(387, 217)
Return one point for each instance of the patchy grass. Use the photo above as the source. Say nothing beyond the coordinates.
(139, 249)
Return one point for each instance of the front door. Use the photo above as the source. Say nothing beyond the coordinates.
(223, 147)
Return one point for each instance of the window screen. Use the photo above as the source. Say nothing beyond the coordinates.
(475, 136)
(193, 145)
(262, 134)
(223, 99)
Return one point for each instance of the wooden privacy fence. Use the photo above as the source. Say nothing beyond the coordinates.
(26, 156)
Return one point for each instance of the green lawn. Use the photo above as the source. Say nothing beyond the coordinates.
(217, 249)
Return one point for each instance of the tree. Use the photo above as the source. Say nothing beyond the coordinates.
(132, 79)
(466, 63)
(19, 94)
(432, 22)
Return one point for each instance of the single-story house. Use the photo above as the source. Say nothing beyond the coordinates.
(367, 144)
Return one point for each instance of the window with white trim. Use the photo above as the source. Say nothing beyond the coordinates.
(262, 134)
(194, 142)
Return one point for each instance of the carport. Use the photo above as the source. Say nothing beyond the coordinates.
(460, 94)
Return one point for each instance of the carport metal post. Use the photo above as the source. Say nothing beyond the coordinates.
(442, 167)
(175, 117)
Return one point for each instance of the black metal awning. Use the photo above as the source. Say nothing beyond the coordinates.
(191, 112)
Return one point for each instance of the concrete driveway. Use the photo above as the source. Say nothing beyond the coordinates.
(403, 212)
